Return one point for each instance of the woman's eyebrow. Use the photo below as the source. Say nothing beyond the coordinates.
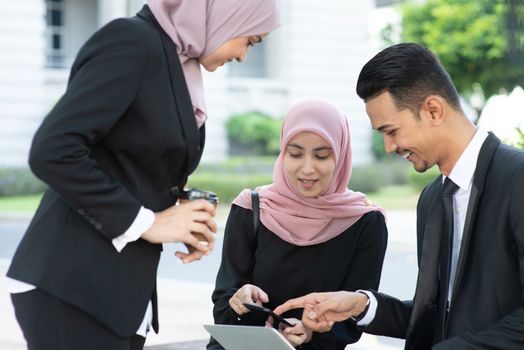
(322, 148)
(294, 145)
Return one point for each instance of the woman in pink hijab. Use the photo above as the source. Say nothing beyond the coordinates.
(210, 33)
(115, 150)
(314, 233)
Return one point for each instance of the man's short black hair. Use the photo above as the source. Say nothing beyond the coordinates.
(410, 73)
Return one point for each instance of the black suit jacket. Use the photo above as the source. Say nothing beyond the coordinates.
(487, 305)
(121, 137)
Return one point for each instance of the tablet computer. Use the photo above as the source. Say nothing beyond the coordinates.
(248, 337)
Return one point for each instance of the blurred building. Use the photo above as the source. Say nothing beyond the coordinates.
(318, 51)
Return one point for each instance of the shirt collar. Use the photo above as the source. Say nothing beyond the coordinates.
(463, 171)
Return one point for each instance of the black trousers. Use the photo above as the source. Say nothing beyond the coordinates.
(51, 324)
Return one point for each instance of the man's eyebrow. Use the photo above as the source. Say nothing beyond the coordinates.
(382, 127)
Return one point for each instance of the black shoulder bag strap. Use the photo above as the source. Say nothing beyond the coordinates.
(255, 203)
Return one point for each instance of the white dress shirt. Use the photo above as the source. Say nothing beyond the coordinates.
(143, 221)
(462, 175)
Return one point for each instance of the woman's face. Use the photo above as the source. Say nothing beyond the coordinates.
(233, 49)
(309, 164)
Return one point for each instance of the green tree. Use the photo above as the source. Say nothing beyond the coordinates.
(479, 42)
(253, 133)
(520, 142)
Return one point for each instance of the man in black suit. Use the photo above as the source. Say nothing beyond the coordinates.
(470, 287)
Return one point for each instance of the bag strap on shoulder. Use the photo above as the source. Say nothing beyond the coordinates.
(255, 203)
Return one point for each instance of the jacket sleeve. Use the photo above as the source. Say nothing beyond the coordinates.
(364, 273)
(236, 268)
(508, 333)
(392, 317)
(104, 80)
(365, 270)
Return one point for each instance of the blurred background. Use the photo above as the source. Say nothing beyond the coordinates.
(317, 51)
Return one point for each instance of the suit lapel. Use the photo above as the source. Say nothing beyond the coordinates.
(424, 318)
(486, 153)
(424, 315)
(183, 104)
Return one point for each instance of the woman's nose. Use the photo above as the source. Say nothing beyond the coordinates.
(242, 56)
(308, 167)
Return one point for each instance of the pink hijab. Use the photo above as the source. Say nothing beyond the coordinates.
(307, 221)
(199, 27)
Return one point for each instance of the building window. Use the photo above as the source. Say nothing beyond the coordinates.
(254, 66)
(55, 31)
(384, 3)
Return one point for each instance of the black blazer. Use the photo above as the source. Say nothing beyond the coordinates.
(121, 137)
(487, 304)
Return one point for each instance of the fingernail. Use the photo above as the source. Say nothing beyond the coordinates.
(312, 315)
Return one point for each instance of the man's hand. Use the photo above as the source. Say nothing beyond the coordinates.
(248, 294)
(322, 310)
(191, 223)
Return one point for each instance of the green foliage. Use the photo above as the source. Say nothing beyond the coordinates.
(367, 179)
(228, 185)
(377, 145)
(20, 204)
(239, 165)
(396, 168)
(396, 197)
(372, 177)
(19, 181)
(478, 42)
(520, 142)
(231, 176)
(253, 133)
(421, 180)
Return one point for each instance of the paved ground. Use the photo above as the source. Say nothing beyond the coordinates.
(185, 290)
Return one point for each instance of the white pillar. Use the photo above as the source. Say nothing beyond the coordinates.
(22, 43)
(111, 9)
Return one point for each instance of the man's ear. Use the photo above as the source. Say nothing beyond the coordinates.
(433, 107)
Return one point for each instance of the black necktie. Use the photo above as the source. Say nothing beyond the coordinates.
(448, 189)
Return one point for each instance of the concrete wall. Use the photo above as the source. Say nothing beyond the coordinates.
(318, 51)
(323, 50)
(22, 97)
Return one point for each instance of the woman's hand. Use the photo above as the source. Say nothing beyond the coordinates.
(191, 223)
(298, 334)
(248, 294)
